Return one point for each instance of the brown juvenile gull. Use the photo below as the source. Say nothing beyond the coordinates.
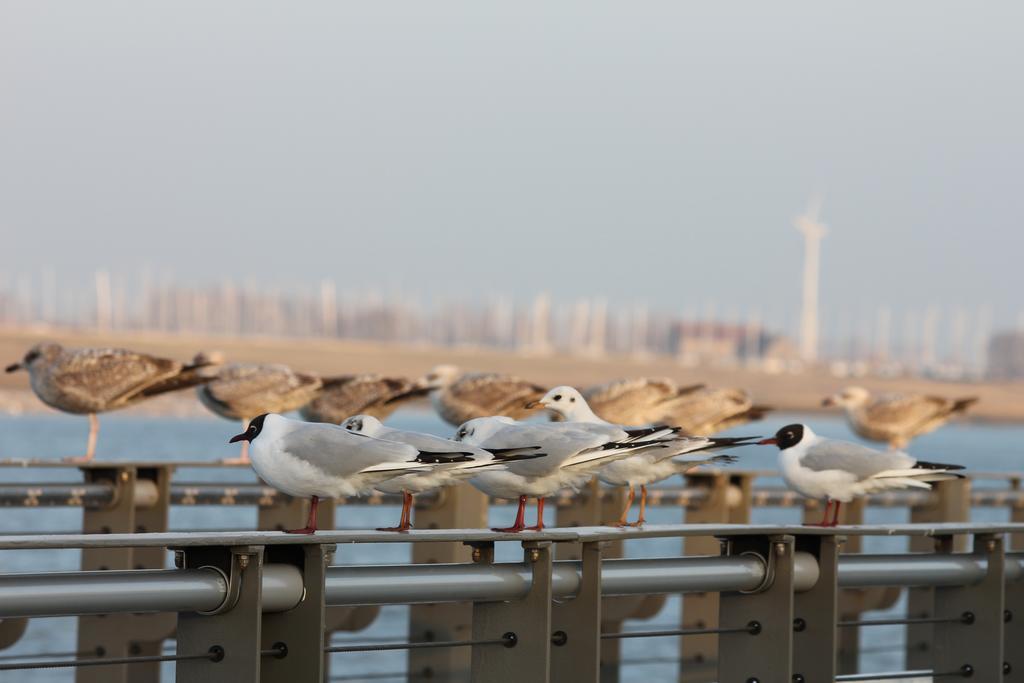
(695, 409)
(96, 380)
(369, 394)
(458, 397)
(895, 419)
(636, 401)
(241, 391)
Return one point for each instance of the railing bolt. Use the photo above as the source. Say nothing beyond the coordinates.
(967, 671)
(179, 559)
(477, 554)
(1007, 616)
(990, 546)
(510, 638)
(967, 618)
(1007, 669)
(799, 678)
(534, 554)
(243, 561)
(780, 549)
(753, 627)
(559, 638)
(799, 624)
(282, 650)
(216, 653)
(753, 680)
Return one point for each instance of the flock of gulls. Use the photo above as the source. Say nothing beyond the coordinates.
(628, 433)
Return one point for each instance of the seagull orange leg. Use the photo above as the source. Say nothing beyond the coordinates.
(539, 526)
(629, 505)
(643, 507)
(405, 521)
(310, 527)
(520, 522)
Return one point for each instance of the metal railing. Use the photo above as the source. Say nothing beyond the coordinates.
(121, 499)
(254, 606)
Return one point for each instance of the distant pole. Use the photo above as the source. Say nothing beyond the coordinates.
(813, 231)
(883, 334)
(328, 308)
(541, 318)
(598, 327)
(929, 335)
(103, 300)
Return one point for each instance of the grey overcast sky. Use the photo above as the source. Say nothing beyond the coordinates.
(653, 151)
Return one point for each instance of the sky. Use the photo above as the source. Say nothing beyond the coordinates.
(655, 152)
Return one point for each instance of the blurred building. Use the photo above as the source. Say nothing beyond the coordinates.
(1006, 355)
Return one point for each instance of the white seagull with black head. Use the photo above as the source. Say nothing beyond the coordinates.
(839, 471)
(647, 467)
(318, 460)
(455, 462)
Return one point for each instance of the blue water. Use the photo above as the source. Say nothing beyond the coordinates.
(983, 448)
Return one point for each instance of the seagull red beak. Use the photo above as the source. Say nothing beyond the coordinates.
(768, 442)
(244, 436)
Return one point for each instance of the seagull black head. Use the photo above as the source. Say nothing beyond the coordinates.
(787, 437)
(254, 429)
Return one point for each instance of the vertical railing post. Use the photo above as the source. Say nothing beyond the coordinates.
(102, 633)
(459, 507)
(728, 501)
(300, 631)
(972, 639)
(816, 614)
(761, 648)
(951, 503)
(234, 628)
(526, 622)
(576, 625)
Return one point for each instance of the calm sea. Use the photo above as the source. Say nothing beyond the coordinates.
(980, 447)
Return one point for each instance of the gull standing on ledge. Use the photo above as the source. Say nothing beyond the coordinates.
(895, 419)
(241, 391)
(342, 397)
(646, 467)
(839, 471)
(456, 462)
(458, 398)
(573, 453)
(316, 460)
(96, 380)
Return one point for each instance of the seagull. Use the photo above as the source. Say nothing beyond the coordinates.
(839, 471)
(458, 397)
(646, 467)
(640, 400)
(240, 391)
(696, 408)
(469, 461)
(88, 381)
(895, 419)
(368, 394)
(573, 453)
(316, 460)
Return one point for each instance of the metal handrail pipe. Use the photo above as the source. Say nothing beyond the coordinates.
(921, 569)
(142, 590)
(413, 584)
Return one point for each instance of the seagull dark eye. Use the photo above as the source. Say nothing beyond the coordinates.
(558, 397)
(31, 356)
(572, 400)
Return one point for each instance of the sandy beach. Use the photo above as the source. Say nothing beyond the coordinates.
(1000, 402)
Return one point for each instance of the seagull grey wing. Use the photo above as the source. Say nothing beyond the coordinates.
(860, 461)
(342, 398)
(108, 378)
(340, 452)
(429, 443)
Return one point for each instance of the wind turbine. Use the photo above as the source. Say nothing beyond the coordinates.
(812, 230)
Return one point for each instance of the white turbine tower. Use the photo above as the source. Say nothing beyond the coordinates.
(813, 231)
